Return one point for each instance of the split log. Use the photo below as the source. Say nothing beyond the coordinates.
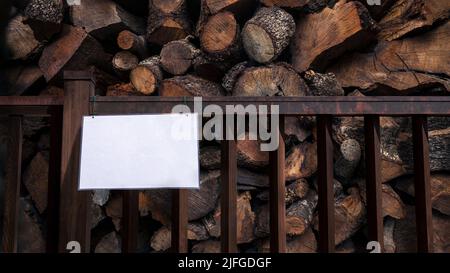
(220, 37)
(167, 21)
(200, 202)
(305, 243)
(189, 85)
(110, 243)
(323, 84)
(245, 220)
(271, 80)
(35, 179)
(405, 233)
(299, 216)
(249, 154)
(178, 56)
(147, 76)
(392, 204)
(440, 190)
(301, 162)
(74, 49)
(267, 34)
(97, 215)
(104, 19)
(248, 180)
(294, 191)
(350, 214)
(123, 62)
(324, 36)
(161, 239)
(209, 246)
(399, 65)
(407, 16)
(45, 17)
(295, 131)
(348, 159)
(134, 43)
(20, 39)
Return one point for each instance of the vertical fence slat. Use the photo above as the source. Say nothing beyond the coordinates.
(277, 195)
(74, 224)
(130, 228)
(373, 178)
(424, 224)
(179, 220)
(12, 186)
(228, 194)
(54, 176)
(325, 184)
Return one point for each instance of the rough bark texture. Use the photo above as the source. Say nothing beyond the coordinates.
(271, 80)
(189, 85)
(267, 34)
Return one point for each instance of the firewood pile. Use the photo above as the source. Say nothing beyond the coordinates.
(245, 48)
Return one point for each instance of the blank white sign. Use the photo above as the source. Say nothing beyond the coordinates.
(139, 152)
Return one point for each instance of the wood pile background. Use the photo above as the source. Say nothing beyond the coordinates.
(244, 48)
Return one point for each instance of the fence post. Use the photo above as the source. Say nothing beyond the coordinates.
(12, 187)
(74, 223)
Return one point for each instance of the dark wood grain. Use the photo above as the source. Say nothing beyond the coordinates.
(179, 220)
(228, 195)
(373, 179)
(74, 205)
(424, 223)
(325, 185)
(12, 185)
(54, 178)
(277, 195)
(130, 221)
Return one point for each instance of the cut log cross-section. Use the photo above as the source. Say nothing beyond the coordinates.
(178, 56)
(220, 36)
(132, 42)
(272, 80)
(168, 21)
(147, 76)
(267, 34)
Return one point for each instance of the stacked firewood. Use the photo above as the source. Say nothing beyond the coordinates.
(248, 48)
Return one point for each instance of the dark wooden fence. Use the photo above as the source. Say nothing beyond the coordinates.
(68, 208)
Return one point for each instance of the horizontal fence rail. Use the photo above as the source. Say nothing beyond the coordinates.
(68, 215)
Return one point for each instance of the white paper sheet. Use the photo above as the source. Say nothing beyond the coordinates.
(139, 152)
